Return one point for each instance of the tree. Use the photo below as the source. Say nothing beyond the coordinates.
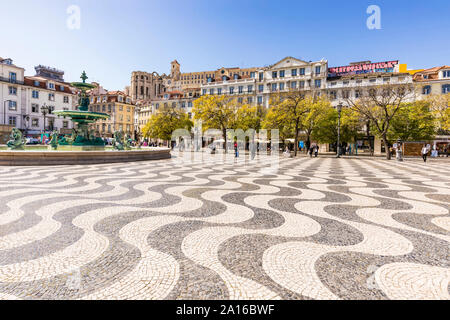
(291, 108)
(320, 107)
(380, 105)
(162, 124)
(440, 107)
(413, 122)
(249, 117)
(275, 119)
(327, 126)
(216, 112)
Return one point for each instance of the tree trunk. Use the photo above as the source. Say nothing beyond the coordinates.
(224, 132)
(386, 147)
(296, 141)
(368, 137)
(308, 142)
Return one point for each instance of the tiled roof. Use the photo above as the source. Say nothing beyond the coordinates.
(435, 69)
(30, 81)
(432, 73)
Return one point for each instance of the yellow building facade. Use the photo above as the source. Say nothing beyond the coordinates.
(121, 110)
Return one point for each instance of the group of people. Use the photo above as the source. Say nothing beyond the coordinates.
(426, 150)
(146, 143)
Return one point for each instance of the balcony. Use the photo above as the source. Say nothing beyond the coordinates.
(227, 82)
(9, 80)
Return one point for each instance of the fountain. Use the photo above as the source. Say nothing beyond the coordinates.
(82, 139)
(83, 147)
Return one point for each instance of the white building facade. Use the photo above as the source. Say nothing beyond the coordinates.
(41, 94)
(23, 100)
(256, 89)
(12, 93)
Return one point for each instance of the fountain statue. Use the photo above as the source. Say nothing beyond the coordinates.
(54, 142)
(75, 149)
(118, 141)
(82, 138)
(17, 140)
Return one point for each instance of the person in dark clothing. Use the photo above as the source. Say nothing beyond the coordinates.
(424, 153)
(316, 151)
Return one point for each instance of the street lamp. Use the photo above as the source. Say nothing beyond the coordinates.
(44, 111)
(339, 110)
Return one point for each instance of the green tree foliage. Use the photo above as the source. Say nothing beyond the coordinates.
(162, 124)
(320, 107)
(216, 112)
(288, 111)
(326, 130)
(380, 105)
(440, 107)
(250, 117)
(414, 122)
(275, 119)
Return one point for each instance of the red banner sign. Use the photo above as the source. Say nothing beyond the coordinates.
(364, 68)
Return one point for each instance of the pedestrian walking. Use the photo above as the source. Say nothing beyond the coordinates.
(424, 153)
(316, 151)
(253, 150)
(236, 150)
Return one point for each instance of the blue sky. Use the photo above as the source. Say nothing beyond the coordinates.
(117, 37)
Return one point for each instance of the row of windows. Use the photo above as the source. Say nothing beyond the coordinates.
(12, 106)
(108, 128)
(34, 122)
(426, 90)
(51, 96)
(104, 99)
(371, 80)
(274, 87)
(111, 108)
(174, 104)
(212, 75)
(50, 85)
(231, 90)
(282, 73)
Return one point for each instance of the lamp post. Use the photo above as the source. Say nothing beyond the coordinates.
(339, 110)
(44, 111)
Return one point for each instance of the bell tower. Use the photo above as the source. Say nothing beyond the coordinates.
(175, 70)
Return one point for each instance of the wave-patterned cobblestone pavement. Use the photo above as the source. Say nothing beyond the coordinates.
(320, 228)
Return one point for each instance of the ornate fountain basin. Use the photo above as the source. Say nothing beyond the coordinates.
(52, 158)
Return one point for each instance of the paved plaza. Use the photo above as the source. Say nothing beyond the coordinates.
(320, 228)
